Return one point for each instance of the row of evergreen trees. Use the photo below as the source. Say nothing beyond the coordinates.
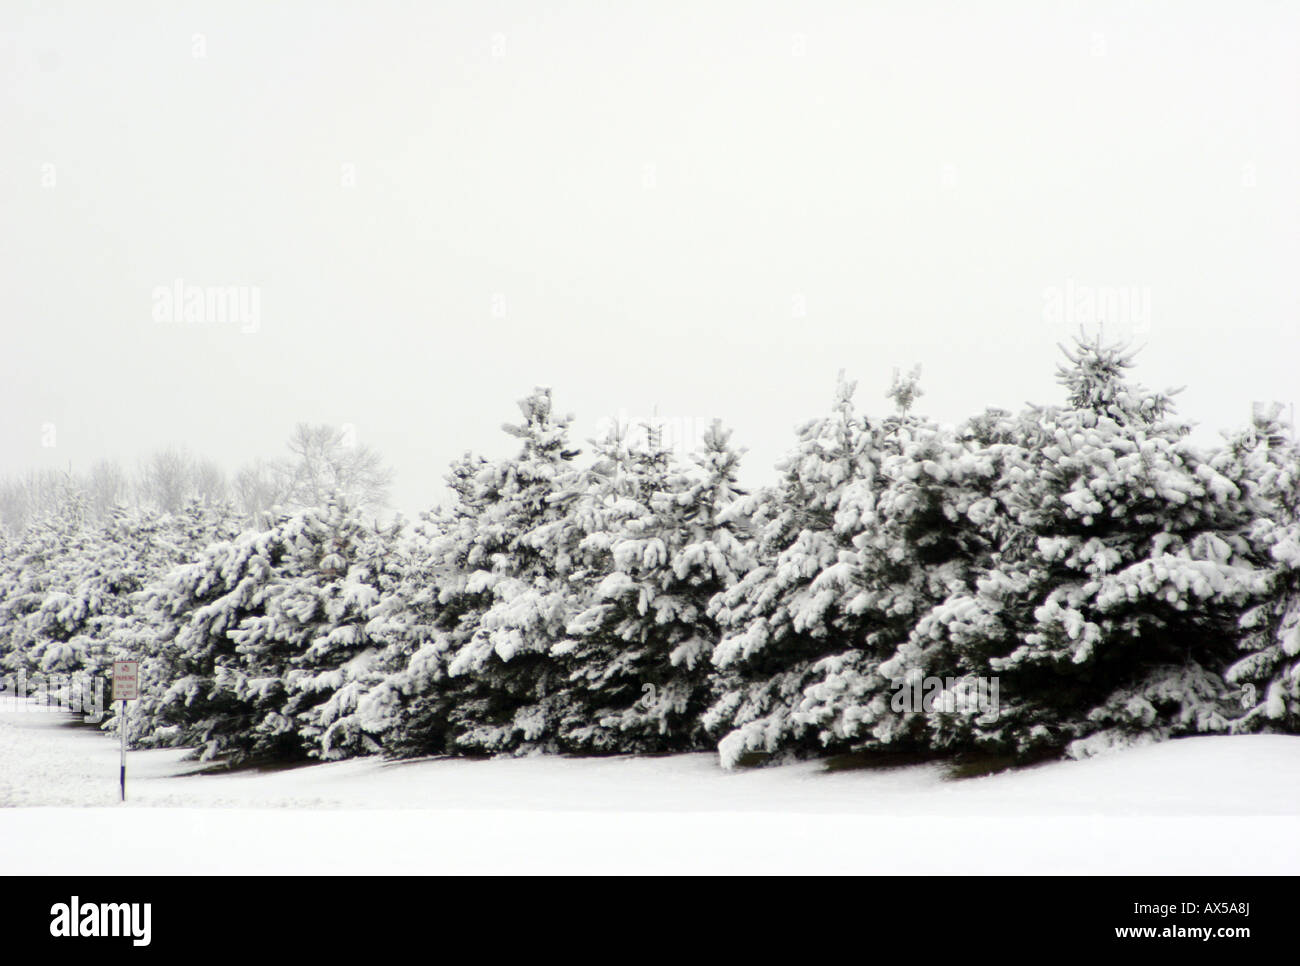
(1118, 582)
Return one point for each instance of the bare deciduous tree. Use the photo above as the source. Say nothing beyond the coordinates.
(209, 481)
(326, 460)
(26, 498)
(106, 487)
(260, 487)
(13, 506)
(166, 479)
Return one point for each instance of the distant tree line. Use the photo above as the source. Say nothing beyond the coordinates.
(321, 460)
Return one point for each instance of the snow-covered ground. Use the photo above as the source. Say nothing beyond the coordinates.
(1212, 805)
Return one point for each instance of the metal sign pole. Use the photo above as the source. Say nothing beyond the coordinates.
(126, 687)
(122, 728)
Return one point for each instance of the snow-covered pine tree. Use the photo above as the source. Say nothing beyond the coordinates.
(39, 617)
(639, 650)
(352, 637)
(81, 589)
(391, 700)
(409, 708)
(9, 575)
(919, 552)
(260, 633)
(1121, 567)
(506, 548)
(140, 548)
(1267, 458)
(615, 489)
(796, 605)
(192, 610)
(198, 688)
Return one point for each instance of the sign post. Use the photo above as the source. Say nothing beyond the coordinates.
(126, 687)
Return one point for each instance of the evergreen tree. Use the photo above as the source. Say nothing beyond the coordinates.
(639, 655)
(1121, 566)
(1268, 677)
(504, 553)
(263, 632)
(39, 618)
(795, 606)
(926, 532)
(76, 605)
(341, 608)
(395, 699)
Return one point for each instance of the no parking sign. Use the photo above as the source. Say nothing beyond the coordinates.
(126, 680)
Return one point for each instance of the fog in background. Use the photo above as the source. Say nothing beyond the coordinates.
(694, 209)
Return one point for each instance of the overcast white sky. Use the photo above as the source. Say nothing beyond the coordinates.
(703, 207)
